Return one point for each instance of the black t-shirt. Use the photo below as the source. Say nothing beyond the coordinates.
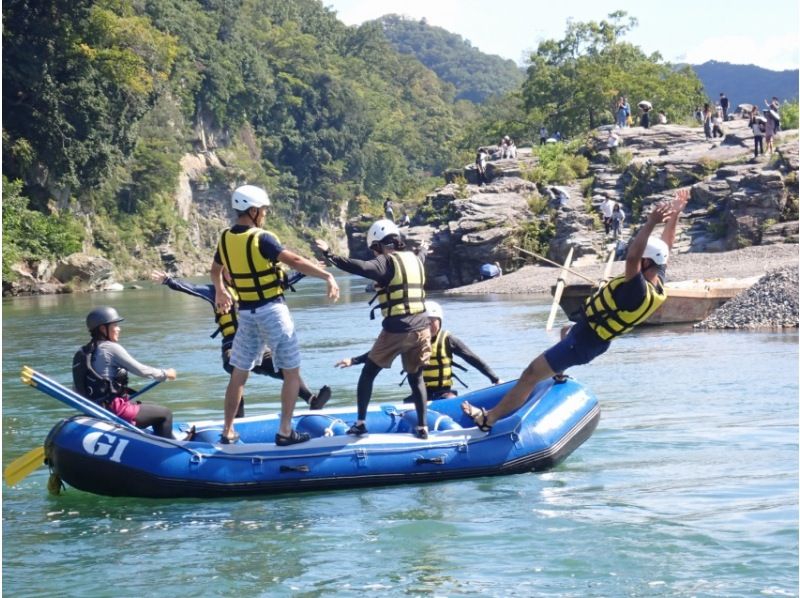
(629, 295)
(381, 270)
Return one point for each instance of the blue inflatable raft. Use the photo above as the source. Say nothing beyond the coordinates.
(97, 454)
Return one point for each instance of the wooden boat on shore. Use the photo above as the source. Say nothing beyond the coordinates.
(688, 301)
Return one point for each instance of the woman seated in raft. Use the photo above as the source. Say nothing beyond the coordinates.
(100, 373)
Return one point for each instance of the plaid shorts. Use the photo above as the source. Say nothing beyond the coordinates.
(270, 326)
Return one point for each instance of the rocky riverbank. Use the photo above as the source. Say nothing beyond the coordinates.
(740, 263)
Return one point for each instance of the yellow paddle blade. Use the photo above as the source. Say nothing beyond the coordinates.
(20, 468)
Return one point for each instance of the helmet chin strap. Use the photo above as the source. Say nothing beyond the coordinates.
(250, 215)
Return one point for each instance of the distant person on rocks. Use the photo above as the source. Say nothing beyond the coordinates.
(227, 324)
(617, 218)
(622, 113)
(707, 116)
(507, 148)
(662, 117)
(489, 271)
(770, 128)
(758, 126)
(775, 105)
(606, 210)
(405, 220)
(612, 142)
(542, 135)
(716, 126)
(645, 118)
(698, 114)
(480, 166)
(388, 209)
(724, 103)
(612, 310)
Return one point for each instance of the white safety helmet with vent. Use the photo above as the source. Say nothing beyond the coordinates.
(380, 230)
(657, 250)
(249, 196)
(434, 310)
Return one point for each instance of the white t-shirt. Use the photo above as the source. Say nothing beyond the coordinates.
(607, 207)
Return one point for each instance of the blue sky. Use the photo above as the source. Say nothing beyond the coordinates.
(692, 31)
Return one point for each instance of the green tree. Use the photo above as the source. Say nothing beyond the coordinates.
(573, 83)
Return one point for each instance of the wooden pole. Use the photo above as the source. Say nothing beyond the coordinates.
(559, 290)
(609, 264)
(544, 259)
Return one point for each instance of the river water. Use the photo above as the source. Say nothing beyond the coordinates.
(688, 487)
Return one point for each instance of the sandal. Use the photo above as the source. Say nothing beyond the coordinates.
(480, 419)
(422, 432)
(294, 437)
(190, 434)
(357, 430)
(230, 439)
(318, 400)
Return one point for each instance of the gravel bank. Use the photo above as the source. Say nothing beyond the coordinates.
(742, 263)
(772, 302)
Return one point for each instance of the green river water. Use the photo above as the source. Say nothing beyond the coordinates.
(688, 487)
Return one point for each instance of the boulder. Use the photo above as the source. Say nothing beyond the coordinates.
(88, 271)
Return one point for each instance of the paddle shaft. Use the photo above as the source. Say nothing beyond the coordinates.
(559, 290)
(544, 259)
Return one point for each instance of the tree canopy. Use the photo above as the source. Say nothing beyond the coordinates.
(573, 83)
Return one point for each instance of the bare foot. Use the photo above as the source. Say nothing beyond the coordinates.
(479, 415)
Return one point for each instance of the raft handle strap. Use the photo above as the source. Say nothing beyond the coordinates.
(294, 468)
(432, 460)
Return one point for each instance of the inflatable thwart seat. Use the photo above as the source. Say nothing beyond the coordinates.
(320, 425)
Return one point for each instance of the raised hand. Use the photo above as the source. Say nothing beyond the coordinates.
(158, 276)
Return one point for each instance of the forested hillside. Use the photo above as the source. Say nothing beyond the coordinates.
(475, 75)
(102, 98)
(126, 123)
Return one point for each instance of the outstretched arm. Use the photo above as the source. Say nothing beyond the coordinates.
(677, 205)
(309, 268)
(633, 263)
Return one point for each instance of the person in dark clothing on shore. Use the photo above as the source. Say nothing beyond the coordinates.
(226, 327)
(724, 103)
(438, 372)
(400, 283)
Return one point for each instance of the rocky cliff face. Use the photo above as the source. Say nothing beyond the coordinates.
(736, 201)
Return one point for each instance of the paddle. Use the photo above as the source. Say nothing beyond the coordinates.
(23, 466)
(559, 290)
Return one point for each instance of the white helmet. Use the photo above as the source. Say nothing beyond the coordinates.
(249, 196)
(434, 310)
(656, 250)
(380, 230)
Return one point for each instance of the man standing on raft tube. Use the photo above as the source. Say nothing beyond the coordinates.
(250, 254)
(399, 281)
(614, 309)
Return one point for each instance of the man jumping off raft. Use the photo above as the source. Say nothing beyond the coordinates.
(614, 309)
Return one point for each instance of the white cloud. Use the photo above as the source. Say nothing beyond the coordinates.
(776, 52)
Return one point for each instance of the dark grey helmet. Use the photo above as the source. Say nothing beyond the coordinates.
(102, 315)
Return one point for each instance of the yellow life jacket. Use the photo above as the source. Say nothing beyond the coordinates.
(608, 321)
(438, 372)
(405, 293)
(254, 277)
(227, 323)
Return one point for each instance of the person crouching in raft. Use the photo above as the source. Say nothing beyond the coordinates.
(614, 309)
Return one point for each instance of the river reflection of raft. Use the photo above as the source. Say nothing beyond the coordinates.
(687, 301)
(104, 458)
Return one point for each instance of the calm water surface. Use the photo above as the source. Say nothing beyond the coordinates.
(688, 487)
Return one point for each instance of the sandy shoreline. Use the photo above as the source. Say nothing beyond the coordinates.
(741, 263)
